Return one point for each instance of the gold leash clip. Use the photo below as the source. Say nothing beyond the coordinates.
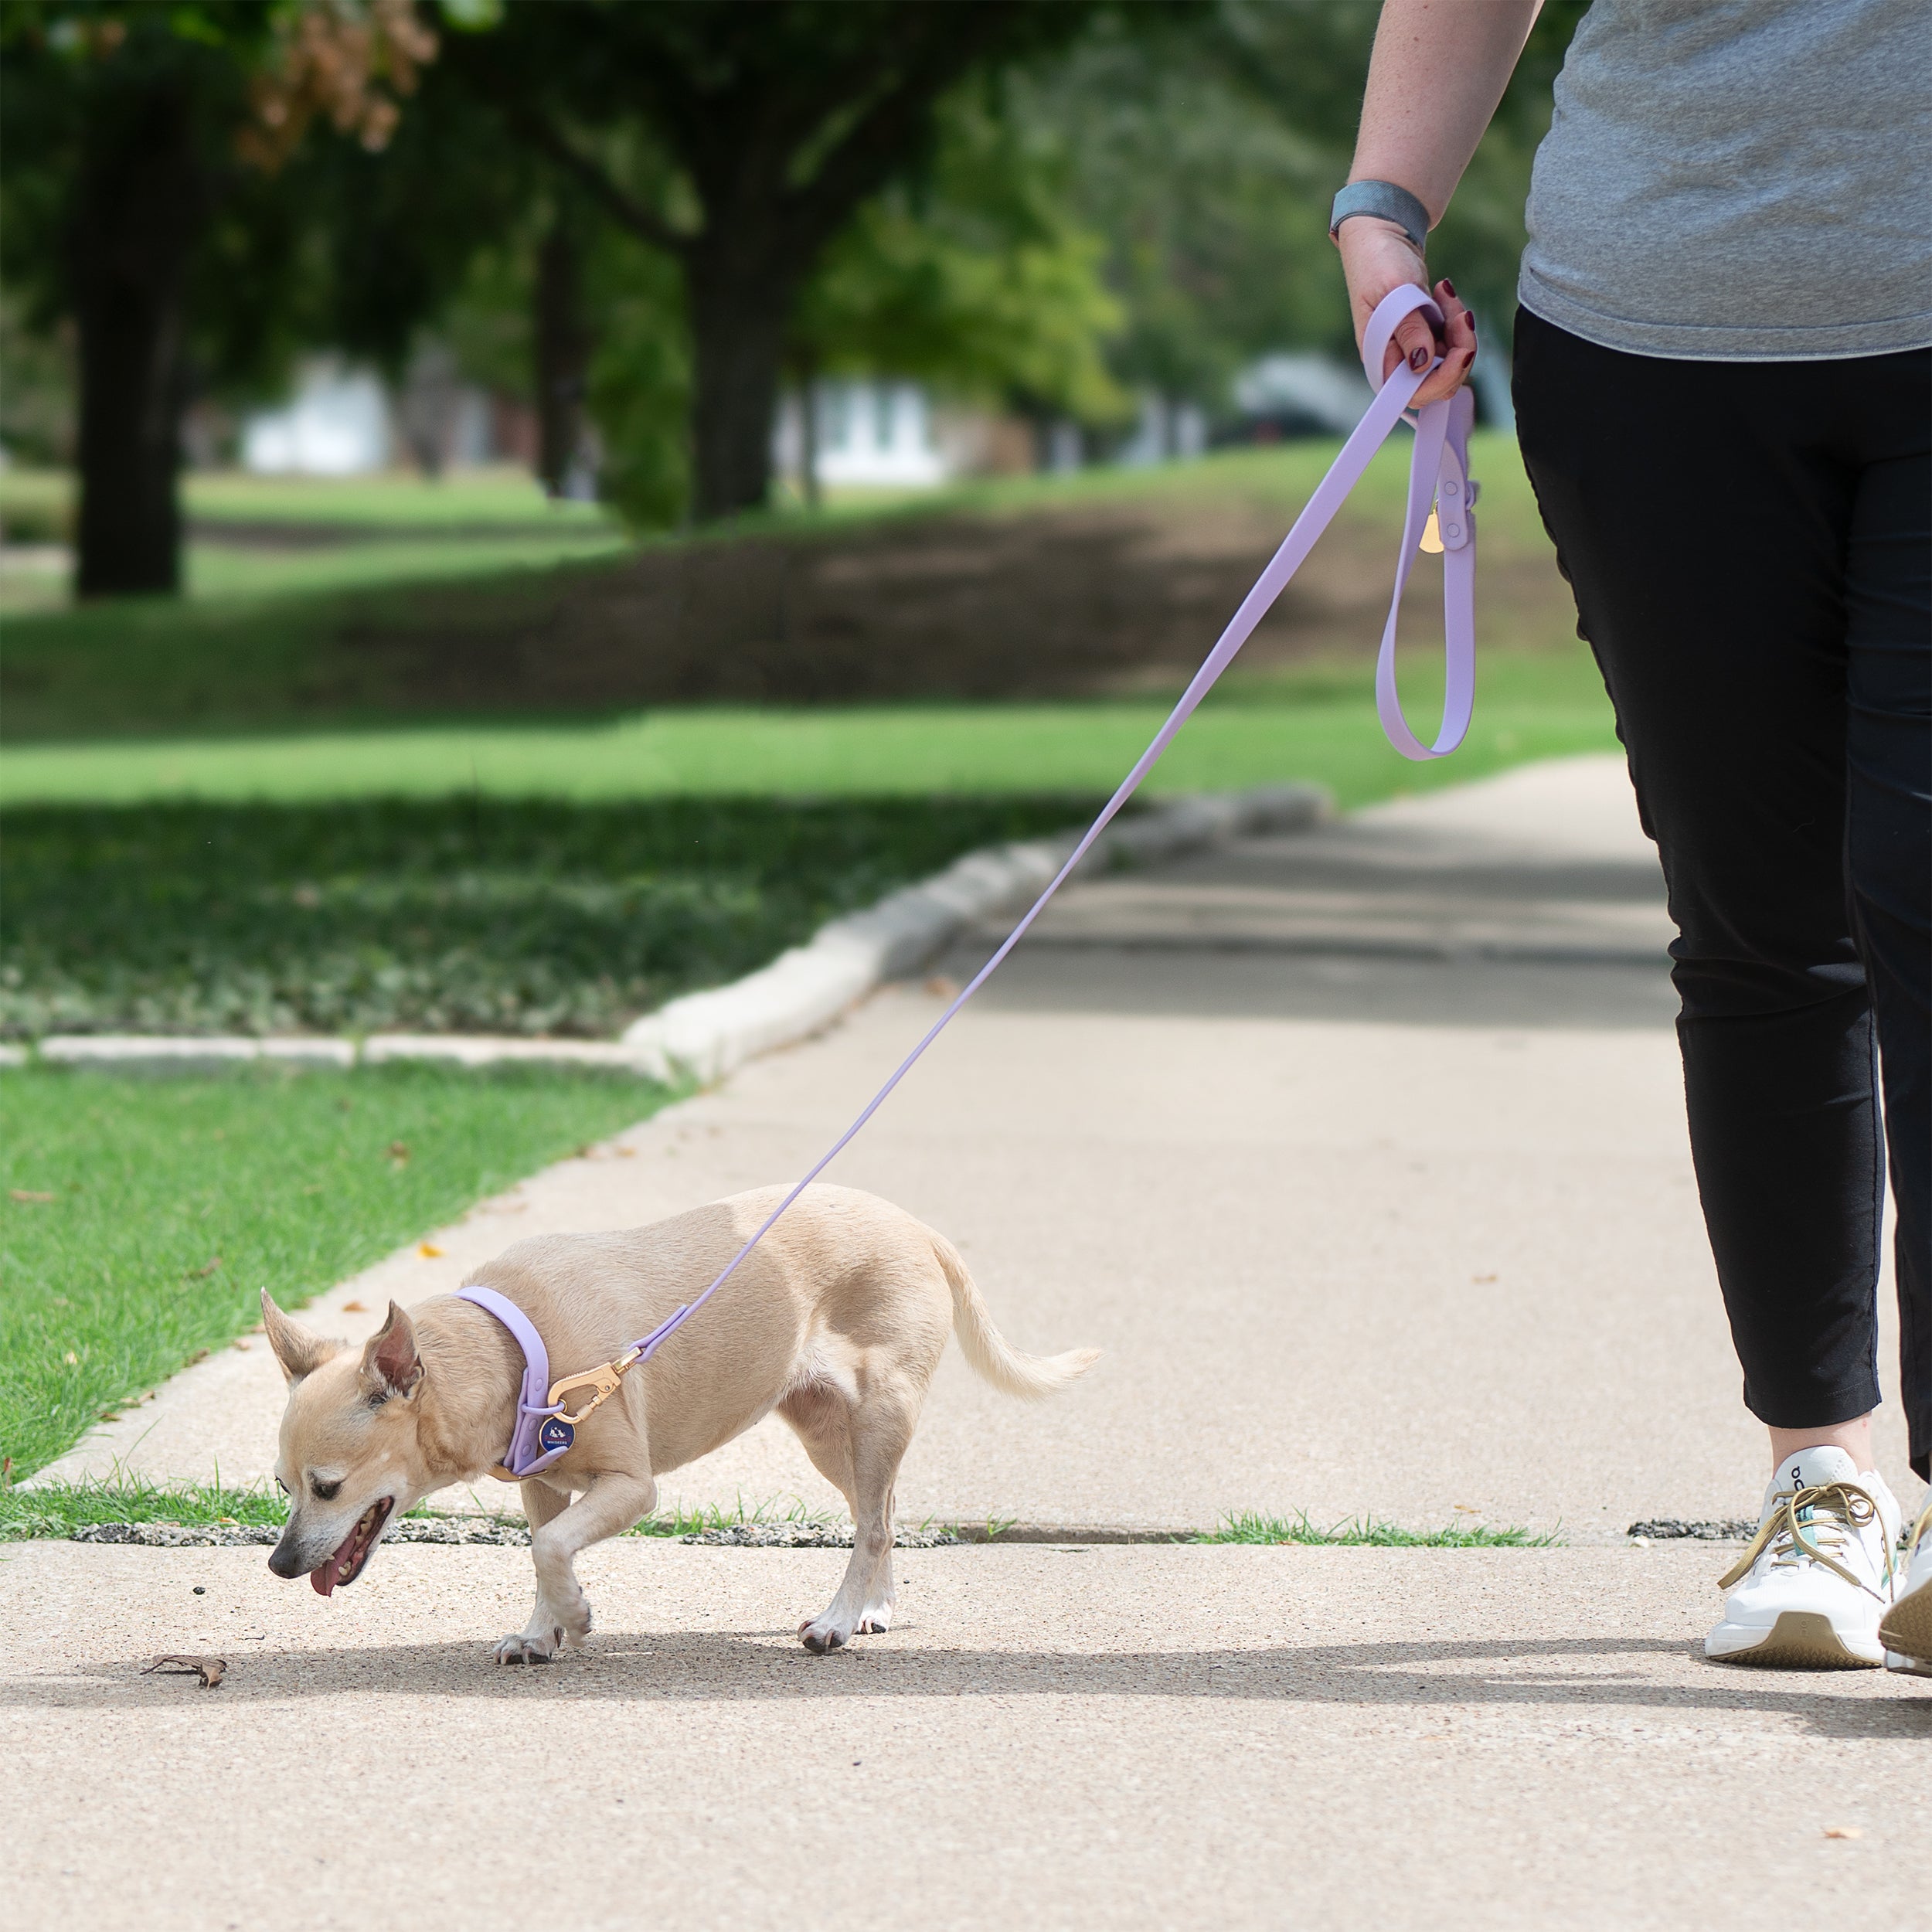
(604, 1379)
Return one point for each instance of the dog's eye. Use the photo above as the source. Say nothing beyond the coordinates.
(323, 1491)
(282, 1486)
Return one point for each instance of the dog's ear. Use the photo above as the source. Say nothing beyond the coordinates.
(390, 1363)
(299, 1350)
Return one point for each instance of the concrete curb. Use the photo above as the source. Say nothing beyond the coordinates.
(704, 1036)
(184, 1052)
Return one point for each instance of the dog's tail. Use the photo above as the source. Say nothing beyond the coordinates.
(993, 1357)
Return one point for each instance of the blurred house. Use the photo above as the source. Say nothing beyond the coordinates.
(889, 432)
(1169, 428)
(337, 423)
(341, 420)
(861, 431)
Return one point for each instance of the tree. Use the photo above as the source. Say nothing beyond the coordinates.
(138, 200)
(978, 279)
(1205, 143)
(1213, 206)
(740, 140)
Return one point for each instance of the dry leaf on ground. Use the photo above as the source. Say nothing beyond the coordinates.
(209, 1669)
(428, 1250)
(32, 1196)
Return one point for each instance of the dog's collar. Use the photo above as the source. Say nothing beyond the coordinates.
(545, 1429)
(541, 1434)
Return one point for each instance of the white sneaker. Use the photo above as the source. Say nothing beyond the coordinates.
(1819, 1574)
(1907, 1627)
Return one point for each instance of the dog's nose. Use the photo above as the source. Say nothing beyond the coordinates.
(284, 1560)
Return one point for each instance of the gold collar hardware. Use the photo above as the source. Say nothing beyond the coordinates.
(603, 1380)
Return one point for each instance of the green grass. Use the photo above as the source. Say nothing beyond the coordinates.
(337, 535)
(169, 1203)
(1316, 722)
(501, 495)
(39, 503)
(60, 1508)
(451, 914)
(437, 608)
(1250, 1526)
(250, 570)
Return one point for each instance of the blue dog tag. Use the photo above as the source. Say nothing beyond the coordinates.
(556, 1433)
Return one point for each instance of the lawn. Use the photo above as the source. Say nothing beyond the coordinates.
(451, 914)
(1104, 585)
(1310, 722)
(142, 1217)
(253, 538)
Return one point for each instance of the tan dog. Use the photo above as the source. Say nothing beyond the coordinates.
(837, 1319)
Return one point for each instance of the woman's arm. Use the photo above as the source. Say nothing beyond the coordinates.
(1438, 70)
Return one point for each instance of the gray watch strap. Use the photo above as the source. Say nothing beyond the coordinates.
(1386, 199)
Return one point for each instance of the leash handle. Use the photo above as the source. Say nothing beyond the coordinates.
(1426, 472)
(1438, 481)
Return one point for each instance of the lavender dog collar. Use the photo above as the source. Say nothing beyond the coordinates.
(541, 1434)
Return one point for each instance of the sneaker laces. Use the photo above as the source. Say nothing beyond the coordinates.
(1920, 1530)
(1806, 1525)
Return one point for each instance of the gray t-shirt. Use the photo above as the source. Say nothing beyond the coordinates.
(1739, 180)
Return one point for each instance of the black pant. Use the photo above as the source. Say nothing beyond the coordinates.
(1750, 546)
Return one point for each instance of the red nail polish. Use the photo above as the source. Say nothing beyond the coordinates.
(1448, 287)
(1419, 359)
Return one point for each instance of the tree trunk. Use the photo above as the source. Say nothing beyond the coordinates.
(564, 346)
(739, 304)
(138, 207)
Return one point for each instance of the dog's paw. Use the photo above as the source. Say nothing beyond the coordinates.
(820, 1634)
(523, 1648)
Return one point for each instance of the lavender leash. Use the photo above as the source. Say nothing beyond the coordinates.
(1439, 472)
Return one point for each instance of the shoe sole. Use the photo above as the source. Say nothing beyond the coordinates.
(1906, 1632)
(1800, 1640)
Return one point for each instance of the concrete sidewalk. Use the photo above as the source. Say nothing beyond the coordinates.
(1079, 1739)
(1362, 1154)
(1360, 1151)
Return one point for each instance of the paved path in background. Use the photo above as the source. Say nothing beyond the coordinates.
(1360, 1151)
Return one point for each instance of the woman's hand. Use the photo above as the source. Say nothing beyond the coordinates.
(1377, 257)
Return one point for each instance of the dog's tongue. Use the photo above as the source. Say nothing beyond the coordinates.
(323, 1577)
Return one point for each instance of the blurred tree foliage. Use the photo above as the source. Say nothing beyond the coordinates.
(972, 275)
(158, 194)
(1205, 143)
(1146, 209)
(739, 141)
(1046, 208)
(979, 277)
